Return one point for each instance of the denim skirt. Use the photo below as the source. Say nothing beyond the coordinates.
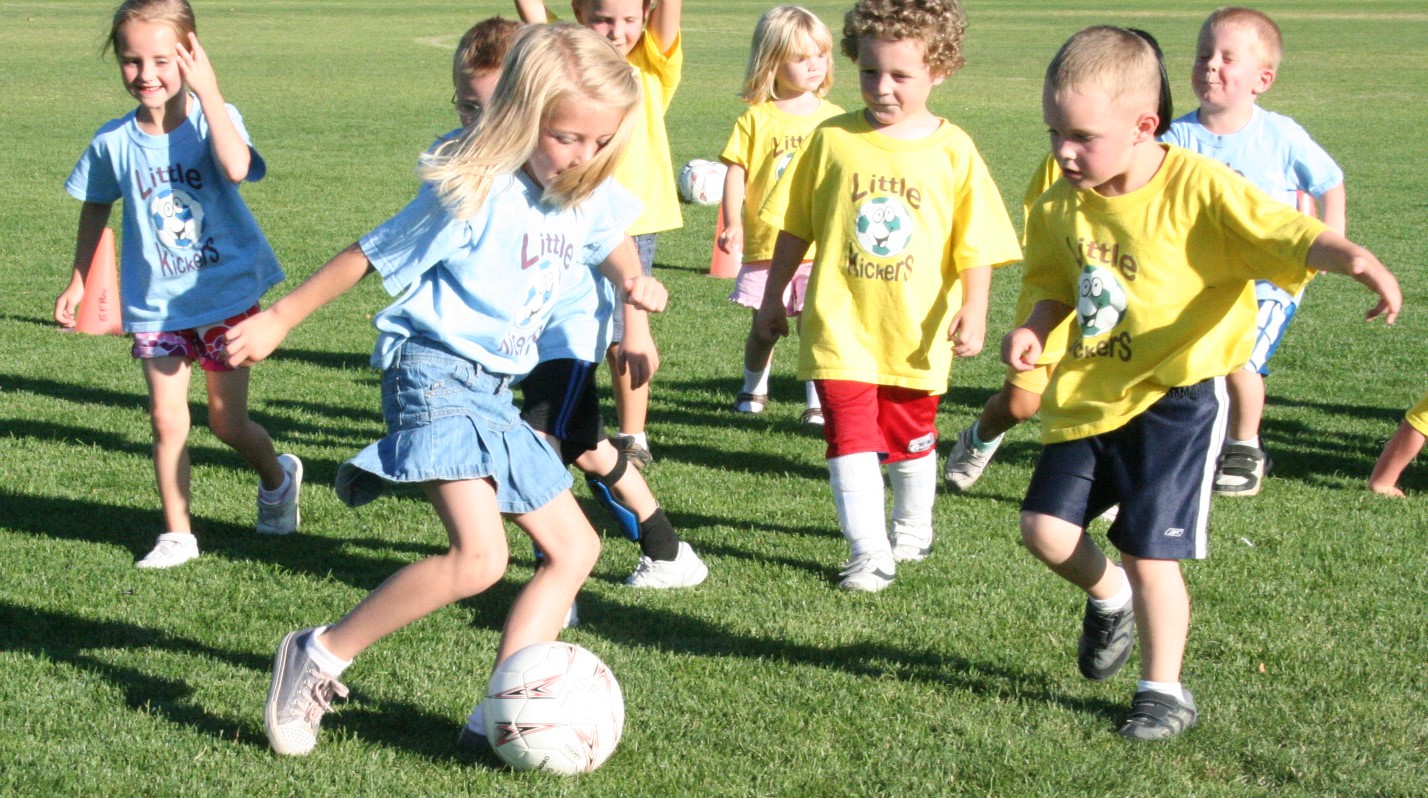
(449, 419)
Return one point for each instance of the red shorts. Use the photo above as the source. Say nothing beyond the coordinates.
(897, 423)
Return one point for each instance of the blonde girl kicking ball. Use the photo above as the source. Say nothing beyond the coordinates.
(789, 72)
(510, 211)
(194, 261)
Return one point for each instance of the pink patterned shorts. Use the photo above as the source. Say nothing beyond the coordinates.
(204, 344)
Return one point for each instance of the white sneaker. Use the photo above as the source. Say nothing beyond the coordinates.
(173, 548)
(283, 517)
(473, 734)
(911, 544)
(966, 464)
(868, 573)
(685, 570)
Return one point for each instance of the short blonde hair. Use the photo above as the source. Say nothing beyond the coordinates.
(177, 14)
(1270, 41)
(784, 33)
(1123, 63)
(938, 24)
(547, 65)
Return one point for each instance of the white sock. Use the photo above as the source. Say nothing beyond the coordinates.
(857, 482)
(757, 381)
(638, 436)
(810, 395)
(1247, 442)
(1117, 602)
(914, 488)
(276, 494)
(327, 661)
(1169, 688)
(977, 441)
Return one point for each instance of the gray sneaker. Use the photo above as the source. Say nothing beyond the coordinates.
(298, 697)
(283, 518)
(630, 449)
(911, 544)
(966, 464)
(1106, 642)
(1241, 470)
(1158, 716)
(868, 573)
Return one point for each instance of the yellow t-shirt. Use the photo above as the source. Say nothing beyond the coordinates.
(1418, 416)
(1161, 282)
(895, 223)
(764, 142)
(647, 168)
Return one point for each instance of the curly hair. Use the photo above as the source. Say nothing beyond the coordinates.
(938, 24)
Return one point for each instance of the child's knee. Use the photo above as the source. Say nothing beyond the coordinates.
(170, 423)
(1023, 405)
(475, 575)
(232, 430)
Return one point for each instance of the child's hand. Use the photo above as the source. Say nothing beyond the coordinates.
(1382, 282)
(647, 294)
(638, 357)
(1020, 349)
(731, 239)
(770, 322)
(254, 338)
(67, 304)
(195, 68)
(968, 333)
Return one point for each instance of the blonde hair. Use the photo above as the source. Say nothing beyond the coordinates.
(1270, 41)
(1123, 63)
(547, 65)
(783, 34)
(177, 14)
(938, 24)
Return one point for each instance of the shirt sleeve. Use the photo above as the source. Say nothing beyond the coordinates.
(736, 151)
(613, 209)
(420, 236)
(93, 178)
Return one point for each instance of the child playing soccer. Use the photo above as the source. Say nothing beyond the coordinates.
(650, 41)
(789, 72)
(511, 212)
(908, 225)
(1155, 250)
(1400, 450)
(1236, 61)
(194, 262)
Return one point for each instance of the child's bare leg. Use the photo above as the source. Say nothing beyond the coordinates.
(229, 419)
(571, 547)
(1007, 408)
(475, 560)
(1162, 609)
(758, 353)
(1246, 390)
(168, 379)
(758, 358)
(1071, 554)
(1400, 450)
(631, 489)
(631, 409)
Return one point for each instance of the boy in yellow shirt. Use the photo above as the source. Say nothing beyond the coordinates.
(647, 34)
(1155, 250)
(908, 226)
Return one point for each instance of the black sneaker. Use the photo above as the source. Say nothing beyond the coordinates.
(1106, 642)
(1158, 716)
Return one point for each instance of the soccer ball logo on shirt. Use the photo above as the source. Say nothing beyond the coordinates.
(177, 218)
(1101, 301)
(883, 227)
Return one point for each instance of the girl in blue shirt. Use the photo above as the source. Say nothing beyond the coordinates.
(510, 215)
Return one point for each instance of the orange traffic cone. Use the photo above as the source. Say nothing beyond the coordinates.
(721, 263)
(99, 310)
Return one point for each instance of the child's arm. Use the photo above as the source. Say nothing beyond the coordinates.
(230, 152)
(968, 331)
(663, 23)
(642, 295)
(731, 240)
(1335, 209)
(93, 218)
(256, 337)
(531, 12)
(1405, 445)
(1331, 252)
(1023, 345)
(771, 322)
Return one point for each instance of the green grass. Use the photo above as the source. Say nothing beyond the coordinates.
(1308, 647)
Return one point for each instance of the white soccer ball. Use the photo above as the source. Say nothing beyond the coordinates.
(1102, 301)
(554, 707)
(702, 182)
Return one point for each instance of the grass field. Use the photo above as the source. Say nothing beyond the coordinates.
(1308, 649)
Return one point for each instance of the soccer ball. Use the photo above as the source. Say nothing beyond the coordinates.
(554, 707)
(1101, 303)
(883, 227)
(702, 182)
(177, 218)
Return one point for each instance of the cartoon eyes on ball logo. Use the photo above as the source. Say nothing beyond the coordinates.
(177, 218)
(883, 227)
(1101, 303)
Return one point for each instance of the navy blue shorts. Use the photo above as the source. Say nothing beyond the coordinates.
(1159, 467)
(558, 398)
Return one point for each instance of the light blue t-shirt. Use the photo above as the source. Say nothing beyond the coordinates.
(485, 287)
(1273, 151)
(193, 253)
